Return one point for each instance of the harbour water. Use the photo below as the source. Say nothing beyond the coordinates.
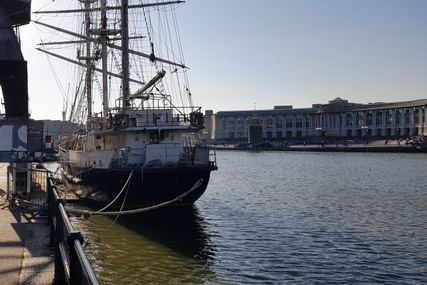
(278, 218)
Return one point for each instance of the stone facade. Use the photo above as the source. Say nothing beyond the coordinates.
(336, 120)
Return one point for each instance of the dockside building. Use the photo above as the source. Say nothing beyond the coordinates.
(337, 120)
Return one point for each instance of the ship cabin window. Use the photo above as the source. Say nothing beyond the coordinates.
(153, 136)
(132, 122)
(163, 135)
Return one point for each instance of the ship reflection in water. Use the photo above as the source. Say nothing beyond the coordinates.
(148, 248)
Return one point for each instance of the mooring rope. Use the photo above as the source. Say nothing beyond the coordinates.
(124, 186)
(87, 214)
(124, 200)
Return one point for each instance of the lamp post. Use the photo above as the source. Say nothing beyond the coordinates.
(364, 134)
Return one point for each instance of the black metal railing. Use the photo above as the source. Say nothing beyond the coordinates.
(71, 263)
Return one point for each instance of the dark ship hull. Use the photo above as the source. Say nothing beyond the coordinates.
(145, 188)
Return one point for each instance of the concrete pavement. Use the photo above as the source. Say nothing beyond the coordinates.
(25, 255)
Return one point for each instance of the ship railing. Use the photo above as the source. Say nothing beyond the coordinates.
(158, 155)
(148, 117)
(71, 263)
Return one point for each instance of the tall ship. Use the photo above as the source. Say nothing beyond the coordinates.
(144, 146)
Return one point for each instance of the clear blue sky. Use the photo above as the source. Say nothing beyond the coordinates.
(283, 52)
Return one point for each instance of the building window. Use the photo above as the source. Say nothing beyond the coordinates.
(253, 121)
(289, 122)
(223, 124)
(369, 119)
(416, 116)
(379, 118)
(269, 134)
(279, 123)
(359, 119)
(279, 134)
(240, 124)
(388, 118)
(407, 118)
(397, 117)
(230, 124)
(289, 134)
(299, 122)
(269, 123)
(349, 120)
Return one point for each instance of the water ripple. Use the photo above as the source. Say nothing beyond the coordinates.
(280, 218)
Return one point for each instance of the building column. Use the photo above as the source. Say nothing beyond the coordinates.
(384, 125)
(422, 129)
(354, 126)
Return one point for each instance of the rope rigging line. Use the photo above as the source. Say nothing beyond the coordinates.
(87, 214)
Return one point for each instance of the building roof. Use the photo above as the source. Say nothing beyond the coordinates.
(337, 105)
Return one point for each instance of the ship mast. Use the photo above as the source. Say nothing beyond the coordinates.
(125, 54)
(88, 64)
(104, 56)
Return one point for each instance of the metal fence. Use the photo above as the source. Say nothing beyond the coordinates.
(71, 263)
(38, 193)
(27, 182)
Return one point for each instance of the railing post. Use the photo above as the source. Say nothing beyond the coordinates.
(76, 271)
(60, 276)
(71, 264)
(50, 210)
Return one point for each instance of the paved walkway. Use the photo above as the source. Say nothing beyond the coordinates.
(25, 255)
